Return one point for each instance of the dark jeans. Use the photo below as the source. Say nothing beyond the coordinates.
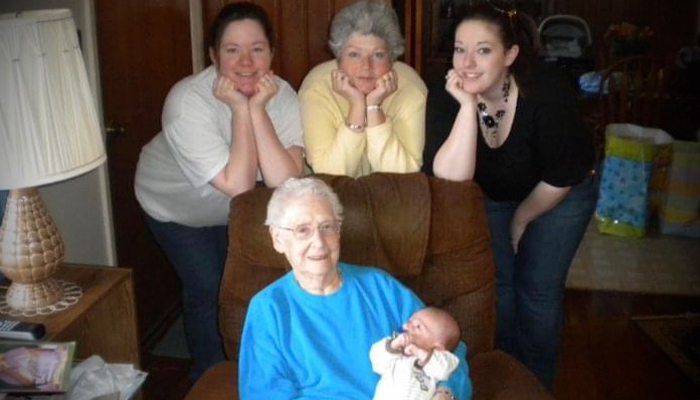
(530, 284)
(3, 200)
(198, 256)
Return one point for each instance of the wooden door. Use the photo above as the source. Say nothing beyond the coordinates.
(144, 48)
(300, 29)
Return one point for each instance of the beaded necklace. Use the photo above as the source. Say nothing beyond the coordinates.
(490, 122)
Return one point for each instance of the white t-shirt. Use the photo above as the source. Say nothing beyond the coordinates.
(175, 167)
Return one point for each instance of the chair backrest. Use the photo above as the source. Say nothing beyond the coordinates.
(430, 233)
(632, 90)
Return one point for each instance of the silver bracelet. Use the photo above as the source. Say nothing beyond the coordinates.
(374, 107)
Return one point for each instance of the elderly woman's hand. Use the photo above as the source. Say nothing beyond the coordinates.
(454, 86)
(383, 88)
(265, 90)
(442, 394)
(225, 90)
(342, 85)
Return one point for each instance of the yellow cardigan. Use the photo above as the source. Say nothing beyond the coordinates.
(394, 146)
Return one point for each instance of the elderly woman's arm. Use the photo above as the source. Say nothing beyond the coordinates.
(397, 144)
(459, 383)
(331, 147)
(261, 366)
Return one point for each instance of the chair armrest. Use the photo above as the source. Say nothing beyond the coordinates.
(217, 383)
(496, 375)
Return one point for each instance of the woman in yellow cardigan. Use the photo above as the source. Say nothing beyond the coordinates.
(364, 111)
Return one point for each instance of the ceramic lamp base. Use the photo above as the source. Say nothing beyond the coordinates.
(32, 296)
(31, 251)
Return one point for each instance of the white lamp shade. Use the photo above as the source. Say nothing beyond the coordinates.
(49, 128)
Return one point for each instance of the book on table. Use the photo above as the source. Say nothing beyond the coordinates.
(35, 367)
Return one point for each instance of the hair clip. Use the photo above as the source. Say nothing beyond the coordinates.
(495, 7)
(511, 13)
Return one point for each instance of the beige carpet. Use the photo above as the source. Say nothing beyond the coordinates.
(679, 337)
(653, 264)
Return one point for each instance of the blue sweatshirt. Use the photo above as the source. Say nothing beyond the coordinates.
(297, 345)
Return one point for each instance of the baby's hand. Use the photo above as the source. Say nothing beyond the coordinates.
(420, 353)
(400, 341)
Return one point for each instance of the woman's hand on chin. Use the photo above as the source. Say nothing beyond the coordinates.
(342, 85)
(383, 88)
(266, 88)
(454, 84)
(225, 90)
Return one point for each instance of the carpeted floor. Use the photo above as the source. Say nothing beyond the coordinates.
(173, 343)
(679, 337)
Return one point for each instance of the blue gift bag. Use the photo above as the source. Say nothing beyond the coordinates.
(632, 154)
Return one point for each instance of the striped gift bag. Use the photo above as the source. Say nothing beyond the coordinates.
(679, 213)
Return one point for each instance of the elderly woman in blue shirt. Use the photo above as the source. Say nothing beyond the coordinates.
(308, 334)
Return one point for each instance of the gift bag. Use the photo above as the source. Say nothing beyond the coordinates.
(679, 213)
(633, 175)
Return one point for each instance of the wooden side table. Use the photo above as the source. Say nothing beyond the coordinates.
(103, 321)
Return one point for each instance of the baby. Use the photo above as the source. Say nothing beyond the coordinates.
(411, 363)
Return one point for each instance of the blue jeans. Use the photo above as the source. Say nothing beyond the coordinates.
(530, 284)
(198, 256)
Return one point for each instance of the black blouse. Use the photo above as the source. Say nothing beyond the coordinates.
(548, 140)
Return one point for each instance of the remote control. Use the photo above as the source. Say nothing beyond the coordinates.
(19, 330)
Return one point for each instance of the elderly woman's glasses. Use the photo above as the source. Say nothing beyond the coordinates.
(306, 231)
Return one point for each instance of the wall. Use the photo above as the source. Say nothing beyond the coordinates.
(81, 206)
(300, 29)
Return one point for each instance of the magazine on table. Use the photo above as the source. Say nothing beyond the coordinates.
(35, 367)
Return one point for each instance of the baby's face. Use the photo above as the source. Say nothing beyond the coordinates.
(421, 329)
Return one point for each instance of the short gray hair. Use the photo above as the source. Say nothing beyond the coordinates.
(366, 17)
(293, 189)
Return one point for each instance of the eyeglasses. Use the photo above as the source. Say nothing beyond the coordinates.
(306, 231)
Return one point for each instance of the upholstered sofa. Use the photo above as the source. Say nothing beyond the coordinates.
(430, 233)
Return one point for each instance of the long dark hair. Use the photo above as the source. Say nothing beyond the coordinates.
(235, 12)
(514, 28)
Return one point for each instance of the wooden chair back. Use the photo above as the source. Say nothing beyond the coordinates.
(632, 90)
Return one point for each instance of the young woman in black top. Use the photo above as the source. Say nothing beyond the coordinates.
(512, 125)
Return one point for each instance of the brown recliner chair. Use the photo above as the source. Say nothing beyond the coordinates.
(430, 233)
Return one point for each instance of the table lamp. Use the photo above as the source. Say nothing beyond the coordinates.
(49, 132)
